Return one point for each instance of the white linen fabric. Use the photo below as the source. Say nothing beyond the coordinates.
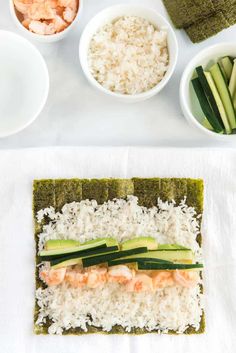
(18, 168)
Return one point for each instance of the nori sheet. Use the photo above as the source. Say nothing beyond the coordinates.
(201, 19)
(183, 13)
(208, 27)
(56, 193)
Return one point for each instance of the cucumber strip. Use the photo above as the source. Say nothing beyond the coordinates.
(167, 255)
(218, 102)
(234, 101)
(227, 65)
(210, 97)
(71, 262)
(172, 247)
(232, 82)
(149, 242)
(137, 260)
(223, 72)
(206, 108)
(96, 260)
(108, 241)
(80, 255)
(157, 266)
(206, 124)
(224, 94)
(54, 252)
(54, 244)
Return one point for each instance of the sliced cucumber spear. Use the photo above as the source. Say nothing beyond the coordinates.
(218, 102)
(206, 124)
(206, 108)
(227, 65)
(223, 72)
(232, 84)
(210, 97)
(224, 94)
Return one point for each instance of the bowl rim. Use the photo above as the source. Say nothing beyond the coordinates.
(140, 96)
(47, 83)
(185, 81)
(42, 37)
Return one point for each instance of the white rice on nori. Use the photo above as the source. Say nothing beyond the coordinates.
(173, 308)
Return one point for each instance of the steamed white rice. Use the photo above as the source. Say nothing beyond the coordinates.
(173, 308)
(129, 55)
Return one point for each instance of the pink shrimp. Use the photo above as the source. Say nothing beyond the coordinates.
(69, 14)
(23, 5)
(71, 7)
(186, 278)
(53, 277)
(42, 28)
(59, 24)
(68, 3)
(41, 11)
(76, 278)
(162, 279)
(140, 283)
(26, 22)
(120, 274)
(96, 277)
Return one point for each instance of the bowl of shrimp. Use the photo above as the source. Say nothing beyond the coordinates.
(46, 20)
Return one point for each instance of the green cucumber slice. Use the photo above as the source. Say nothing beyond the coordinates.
(54, 252)
(206, 124)
(137, 260)
(218, 102)
(54, 244)
(149, 242)
(232, 82)
(80, 255)
(226, 64)
(210, 98)
(96, 260)
(66, 263)
(166, 255)
(224, 94)
(158, 266)
(206, 108)
(223, 72)
(108, 241)
(172, 247)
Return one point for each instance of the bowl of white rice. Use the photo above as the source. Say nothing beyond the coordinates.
(128, 52)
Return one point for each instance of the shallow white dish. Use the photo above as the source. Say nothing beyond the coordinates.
(188, 100)
(108, 15)
(45, 38)
(24, 83)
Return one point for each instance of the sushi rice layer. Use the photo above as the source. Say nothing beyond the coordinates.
(171, 309)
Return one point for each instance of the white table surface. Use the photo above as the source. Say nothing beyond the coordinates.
(75, 114)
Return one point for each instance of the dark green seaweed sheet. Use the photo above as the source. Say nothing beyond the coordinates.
(201, 19)
(183, 13)
(207, 27)
(56, 193)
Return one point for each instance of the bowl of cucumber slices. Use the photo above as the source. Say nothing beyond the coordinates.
(208, 91)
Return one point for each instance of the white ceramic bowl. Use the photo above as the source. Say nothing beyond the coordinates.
(45, 38)
(110, 14)
(188, 100)
(24, 83)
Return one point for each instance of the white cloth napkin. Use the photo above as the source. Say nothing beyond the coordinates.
(17, 170)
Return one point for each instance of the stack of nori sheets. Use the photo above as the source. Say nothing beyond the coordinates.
(58, 192)
(201, 19)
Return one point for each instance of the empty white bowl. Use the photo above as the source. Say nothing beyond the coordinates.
(110, 14)
(24, 83)
(188, 100)
(45, 38)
